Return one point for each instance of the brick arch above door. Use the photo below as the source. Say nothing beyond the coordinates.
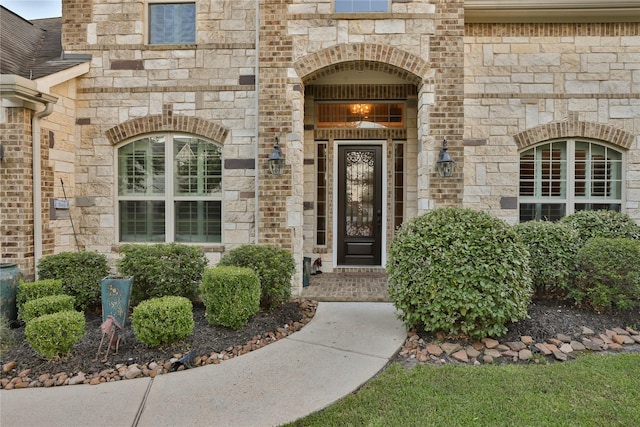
(362, 56)
(167, 122)
(574, 128)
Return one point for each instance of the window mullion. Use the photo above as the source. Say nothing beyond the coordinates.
(170, 193)
(570, 176)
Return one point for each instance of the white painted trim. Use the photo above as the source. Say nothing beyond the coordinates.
(46, 83)
(383, 243)
(568, 11)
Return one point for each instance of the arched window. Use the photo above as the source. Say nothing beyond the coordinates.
(561, 177)
(170, 190)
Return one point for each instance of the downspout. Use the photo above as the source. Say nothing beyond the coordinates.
(37, 183)
(256, 214)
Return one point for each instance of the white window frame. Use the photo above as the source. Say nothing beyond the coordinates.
(169, 197)
(570, 199)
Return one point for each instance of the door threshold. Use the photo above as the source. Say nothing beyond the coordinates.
(360, 269)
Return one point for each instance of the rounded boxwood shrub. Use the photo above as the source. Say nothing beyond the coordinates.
(80, 272)
(275, 268)
(46, 305)
(164, 269)
(608, 274)
(28, 291)
(54, 335)
(163, 320)
(231, 295)
(609, 224)
(553, 248)
(459, 271)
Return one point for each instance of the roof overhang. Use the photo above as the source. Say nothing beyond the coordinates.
(17, 91)
(47, 82)
(558, 11)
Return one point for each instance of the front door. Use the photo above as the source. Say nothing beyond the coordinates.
(359, 222)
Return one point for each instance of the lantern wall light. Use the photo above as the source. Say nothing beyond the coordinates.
(445, 163)
(276, 159)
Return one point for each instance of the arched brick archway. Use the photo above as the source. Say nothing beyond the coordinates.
(167, 122)
(357, 56)
(572, 128)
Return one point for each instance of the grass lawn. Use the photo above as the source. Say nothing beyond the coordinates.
(594, 390)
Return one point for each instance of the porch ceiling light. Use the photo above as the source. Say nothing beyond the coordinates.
(276, 160)
(445, 162)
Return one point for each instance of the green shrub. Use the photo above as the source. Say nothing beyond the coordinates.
(165, 269)
(28, 291)
(608, 274)
(163, 320)
(553, 248)
(80, 272)
(275, 268)
(609, 224)
(46, 305)
(459, 271)
(55, 334)
(231, 295)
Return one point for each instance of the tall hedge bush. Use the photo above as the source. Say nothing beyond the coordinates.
(231, 295)
(164, 269)
(553, 248)
(275, 268)
(608, 224)
(80, 272)
(459, 271)
(608, 274)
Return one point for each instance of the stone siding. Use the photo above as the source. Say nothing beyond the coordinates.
(525, 83)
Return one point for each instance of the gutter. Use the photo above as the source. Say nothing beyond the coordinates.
(37, 184)
(551, 11)
(18, 92)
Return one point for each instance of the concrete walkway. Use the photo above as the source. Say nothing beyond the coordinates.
(343, 346)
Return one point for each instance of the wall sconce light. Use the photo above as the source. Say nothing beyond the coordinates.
(445, 162)
(276, 159)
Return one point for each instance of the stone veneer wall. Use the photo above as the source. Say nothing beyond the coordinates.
(206, 89)
(527, 82)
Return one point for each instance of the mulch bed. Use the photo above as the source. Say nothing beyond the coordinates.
(205, 340)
